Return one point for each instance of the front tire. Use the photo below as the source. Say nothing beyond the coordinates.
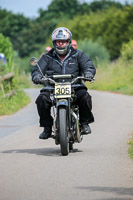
(63, 136)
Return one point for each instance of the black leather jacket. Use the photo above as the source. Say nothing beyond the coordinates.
(75, 63)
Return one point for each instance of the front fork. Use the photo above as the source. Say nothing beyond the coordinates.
(61, 103)
(70, 114)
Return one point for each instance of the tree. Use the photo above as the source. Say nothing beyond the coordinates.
(33, 38)
(89, 21)
(118, 29)
(11, 25)
(94, 50)
(60, 8)
(127, 51)
(104, 5)
(113, 26)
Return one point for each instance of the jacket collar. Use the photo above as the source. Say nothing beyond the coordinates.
(52, 53)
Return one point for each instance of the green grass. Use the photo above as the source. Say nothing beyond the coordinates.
(130, 149)
(115, 77)
(11, 105)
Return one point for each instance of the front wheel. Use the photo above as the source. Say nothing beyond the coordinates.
(63, 136)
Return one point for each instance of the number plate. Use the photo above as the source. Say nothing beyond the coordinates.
(62, 90)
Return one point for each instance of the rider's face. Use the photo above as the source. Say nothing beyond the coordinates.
(61, 43)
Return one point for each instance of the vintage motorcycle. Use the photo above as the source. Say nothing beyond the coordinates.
(66, 126)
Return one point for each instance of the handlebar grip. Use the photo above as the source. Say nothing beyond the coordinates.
(42, 80)
(89, 79)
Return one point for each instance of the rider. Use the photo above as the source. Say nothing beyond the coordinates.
(64, 59)
(3, 59)
(47, 49)
(74, 44)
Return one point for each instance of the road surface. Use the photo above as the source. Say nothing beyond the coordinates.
(98, 168)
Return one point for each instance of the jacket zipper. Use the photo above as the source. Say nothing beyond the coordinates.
(62, 62)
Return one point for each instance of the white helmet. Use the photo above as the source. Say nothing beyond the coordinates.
(62, 33)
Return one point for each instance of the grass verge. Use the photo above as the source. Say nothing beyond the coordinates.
(130, 149)
(11, 105)
(115, 77)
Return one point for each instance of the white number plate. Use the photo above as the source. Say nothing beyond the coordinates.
(62, 90)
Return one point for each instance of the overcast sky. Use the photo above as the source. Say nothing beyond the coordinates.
(30, 7)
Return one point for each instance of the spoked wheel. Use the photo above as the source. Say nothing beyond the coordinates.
(63, 136)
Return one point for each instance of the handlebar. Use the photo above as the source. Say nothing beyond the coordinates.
(66, 76)
(34, 62)
(82, 78)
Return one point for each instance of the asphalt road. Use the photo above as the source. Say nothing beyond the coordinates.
(98, 168)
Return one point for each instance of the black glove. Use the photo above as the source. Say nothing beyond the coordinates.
(88, 76)
(37, 79)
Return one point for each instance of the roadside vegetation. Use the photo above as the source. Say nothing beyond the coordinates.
(130, 149)
(12, 105)
(116, 76)
(12, 96)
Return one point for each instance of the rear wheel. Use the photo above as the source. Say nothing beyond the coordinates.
(63, 136)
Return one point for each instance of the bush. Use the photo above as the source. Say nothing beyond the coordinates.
(9, 105)
(7, 49)
(23, 64)
(127, 51)
(94, 50)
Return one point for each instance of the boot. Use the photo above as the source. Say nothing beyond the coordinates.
(85, 129)
(46, 133)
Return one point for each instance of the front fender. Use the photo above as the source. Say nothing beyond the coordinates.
(62, 102)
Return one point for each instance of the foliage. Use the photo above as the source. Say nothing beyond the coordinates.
(11, 25)
(14, 103)
(61, 8)
(27, 35)
(9, 106)
(130, 149)
(94, 50)
(127, 51)
(103, 5)
(116, 76)
(118, 29)
(7, 49)
(31, 39)
(23, 64)
(113, 26)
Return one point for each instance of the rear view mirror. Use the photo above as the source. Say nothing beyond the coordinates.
(33, 61)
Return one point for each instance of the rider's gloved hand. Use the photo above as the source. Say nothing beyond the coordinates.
(37, 79)
(88, 76)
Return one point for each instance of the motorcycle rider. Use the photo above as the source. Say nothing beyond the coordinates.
(64, 59)
(47, 49)
(3, 59)
(74, 44)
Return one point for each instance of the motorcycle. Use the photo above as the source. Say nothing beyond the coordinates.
(66, 128)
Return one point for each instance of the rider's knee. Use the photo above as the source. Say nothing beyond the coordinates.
(86, 100)
(39, 99)
(44, 100)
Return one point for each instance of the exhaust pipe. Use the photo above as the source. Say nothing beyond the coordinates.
(78, 137)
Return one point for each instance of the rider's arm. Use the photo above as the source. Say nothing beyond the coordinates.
(86, 65)
(43, 64)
